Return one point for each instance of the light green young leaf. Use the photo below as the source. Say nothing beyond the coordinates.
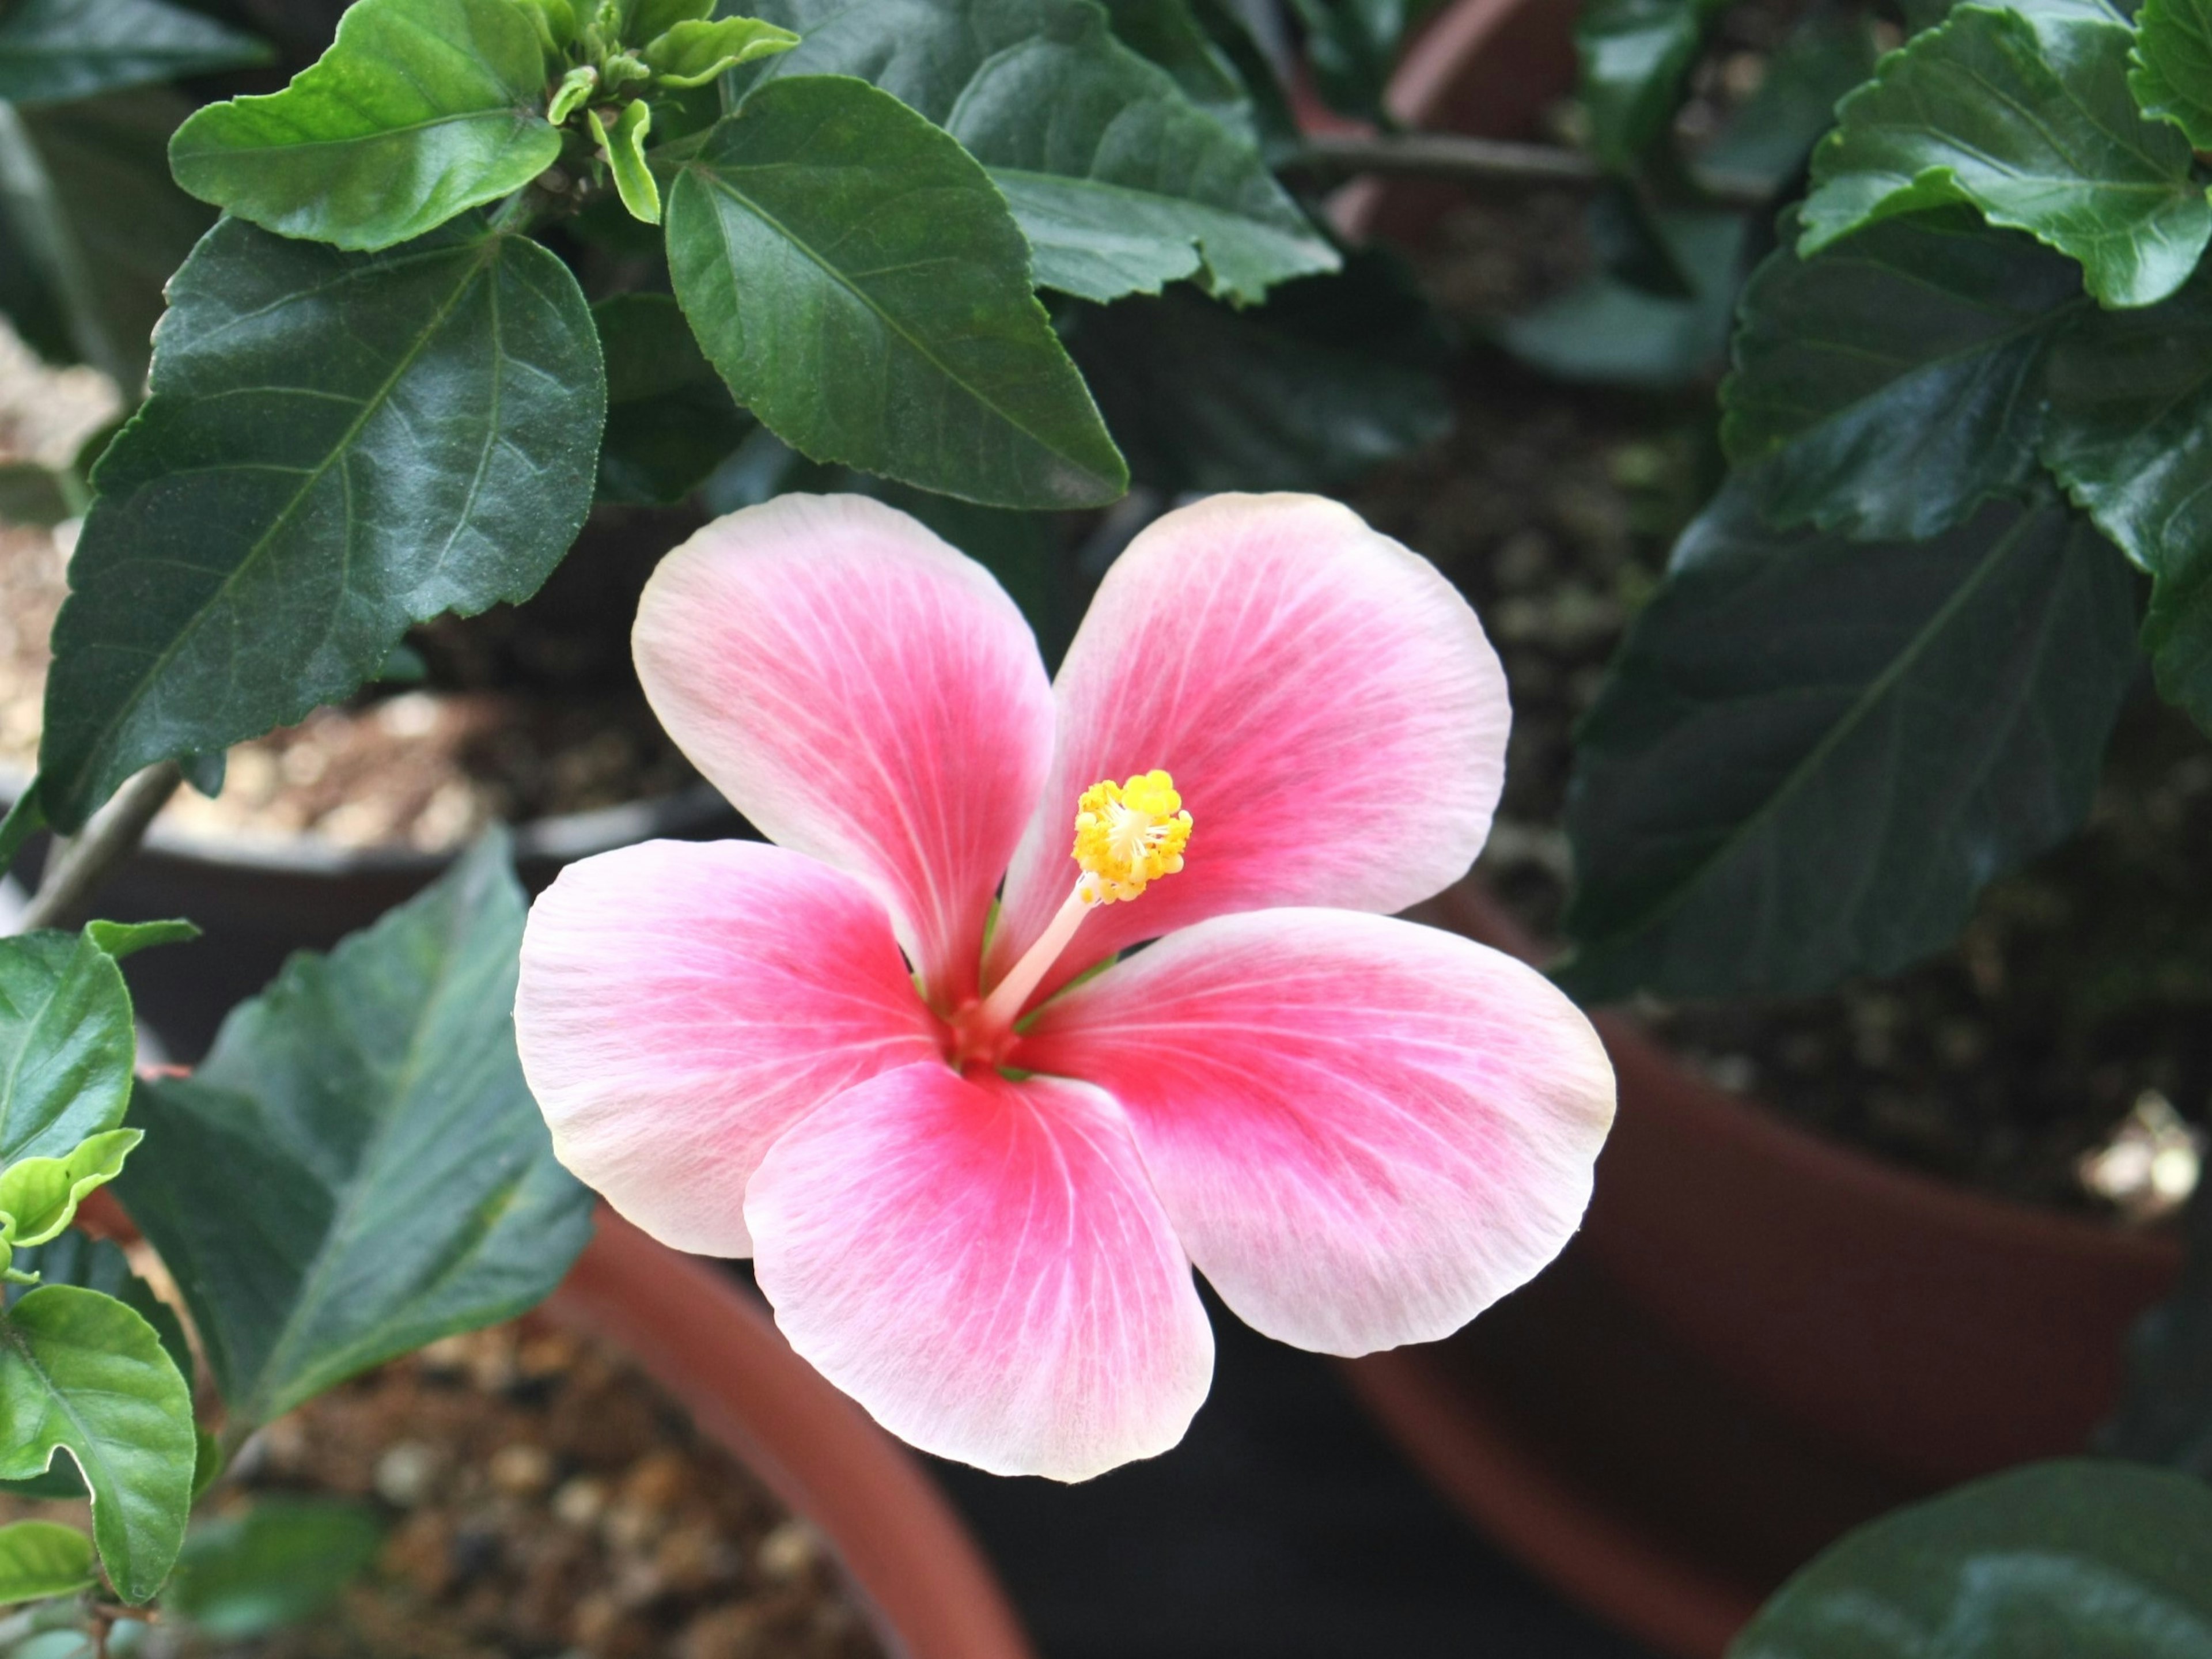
(671, 422)
(421, 110)
(1120, 182)
(2089, 1559)
(625, 148)
(2173, 75)
(405, 1187)
(692, 52)
(80, 1371)
(66, 1044)
(576, 88)
(39, 1196)
(1888, 385)
(855, 277)
(2029, 119)
(556, 23)
(125, 938)
(53, 51)
(1811, 754)
(347, 443)
(279, 1563)
(39, 1559)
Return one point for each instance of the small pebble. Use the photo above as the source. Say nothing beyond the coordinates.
(407, 1473)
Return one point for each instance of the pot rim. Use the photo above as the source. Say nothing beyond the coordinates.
(717, 1353)
(561, 837)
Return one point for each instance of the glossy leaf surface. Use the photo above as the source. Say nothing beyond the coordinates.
(54, 51)
(337, 446)
(39, 1196)
(80, 1371)
(95, 1264)
(421, 110)
(405, 1184)
(1120, 182)
(40, 1559)
(693, 51)
(2030, 120)
(1811, 754)
(66, 1044)
(1888, 385)
(2088, 1560)
(856, 278)
(2172, 76)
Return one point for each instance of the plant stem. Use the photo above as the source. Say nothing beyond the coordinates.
(80, 863)
(1453, 156)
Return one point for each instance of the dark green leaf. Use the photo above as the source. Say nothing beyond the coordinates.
(1766, 141)
(670, 419)
(1887, 386)
(2165, 1415)
(66, 1044)
(2130, 435)
(2172, 76)
(2028, 118)
(1120, 182)
(87, 201)
(338, 445)
(1811, 754)
(421, 110)
(856, 278)
(1613, 332)
(1172, 34)
(2073, 1561)
(405, 1186)
(1635, 54)
(694, 52)
(93, 1264)
(282, 1562)
(80, 1371)
(624, 145)
(1336, 374)
(53, 51)
(25, 817)
(39, 1559)
(1352, 46)
(31, 494)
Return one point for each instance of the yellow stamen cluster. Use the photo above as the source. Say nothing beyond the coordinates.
(1127, 835)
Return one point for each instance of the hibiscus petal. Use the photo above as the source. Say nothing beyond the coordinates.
(1364, 1131)
(863, 693)
(1332, 713)
(683, 1003)
(982, 1265)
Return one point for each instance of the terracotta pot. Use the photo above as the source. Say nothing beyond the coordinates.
(1760, 1338)
(717, 1353)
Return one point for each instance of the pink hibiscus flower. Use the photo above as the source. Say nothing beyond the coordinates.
(973, 1186)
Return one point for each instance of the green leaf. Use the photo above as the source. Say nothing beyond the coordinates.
(576, 88)
(2088, 1560)
(39, 1196)
(1634, 54)
(87, 204)
(648, 20)
(1766, 139)
(1352, 46)
(1613, 332)
(35, 494)
(1888, 385)
(670, 421)
(54, 51)
(555, 21)
(66, 1044)
(1120, 182)
(1336, 374)
(2028, 118)
(2173, 75)
(2165, 1413)
(857, 280)
(279, 1563)
(1811, 754)
(123, 939)
(93, 1264)
(625, 150)
(25, 817)
(405, 1185)
(39, 1559)
(337, 446)
(691, 53)
(421, 110)
(2130, 435)
(1170, 34)
(80, 1371)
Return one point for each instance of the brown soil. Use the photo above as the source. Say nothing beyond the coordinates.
(542, 1499)
(2083, 981)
